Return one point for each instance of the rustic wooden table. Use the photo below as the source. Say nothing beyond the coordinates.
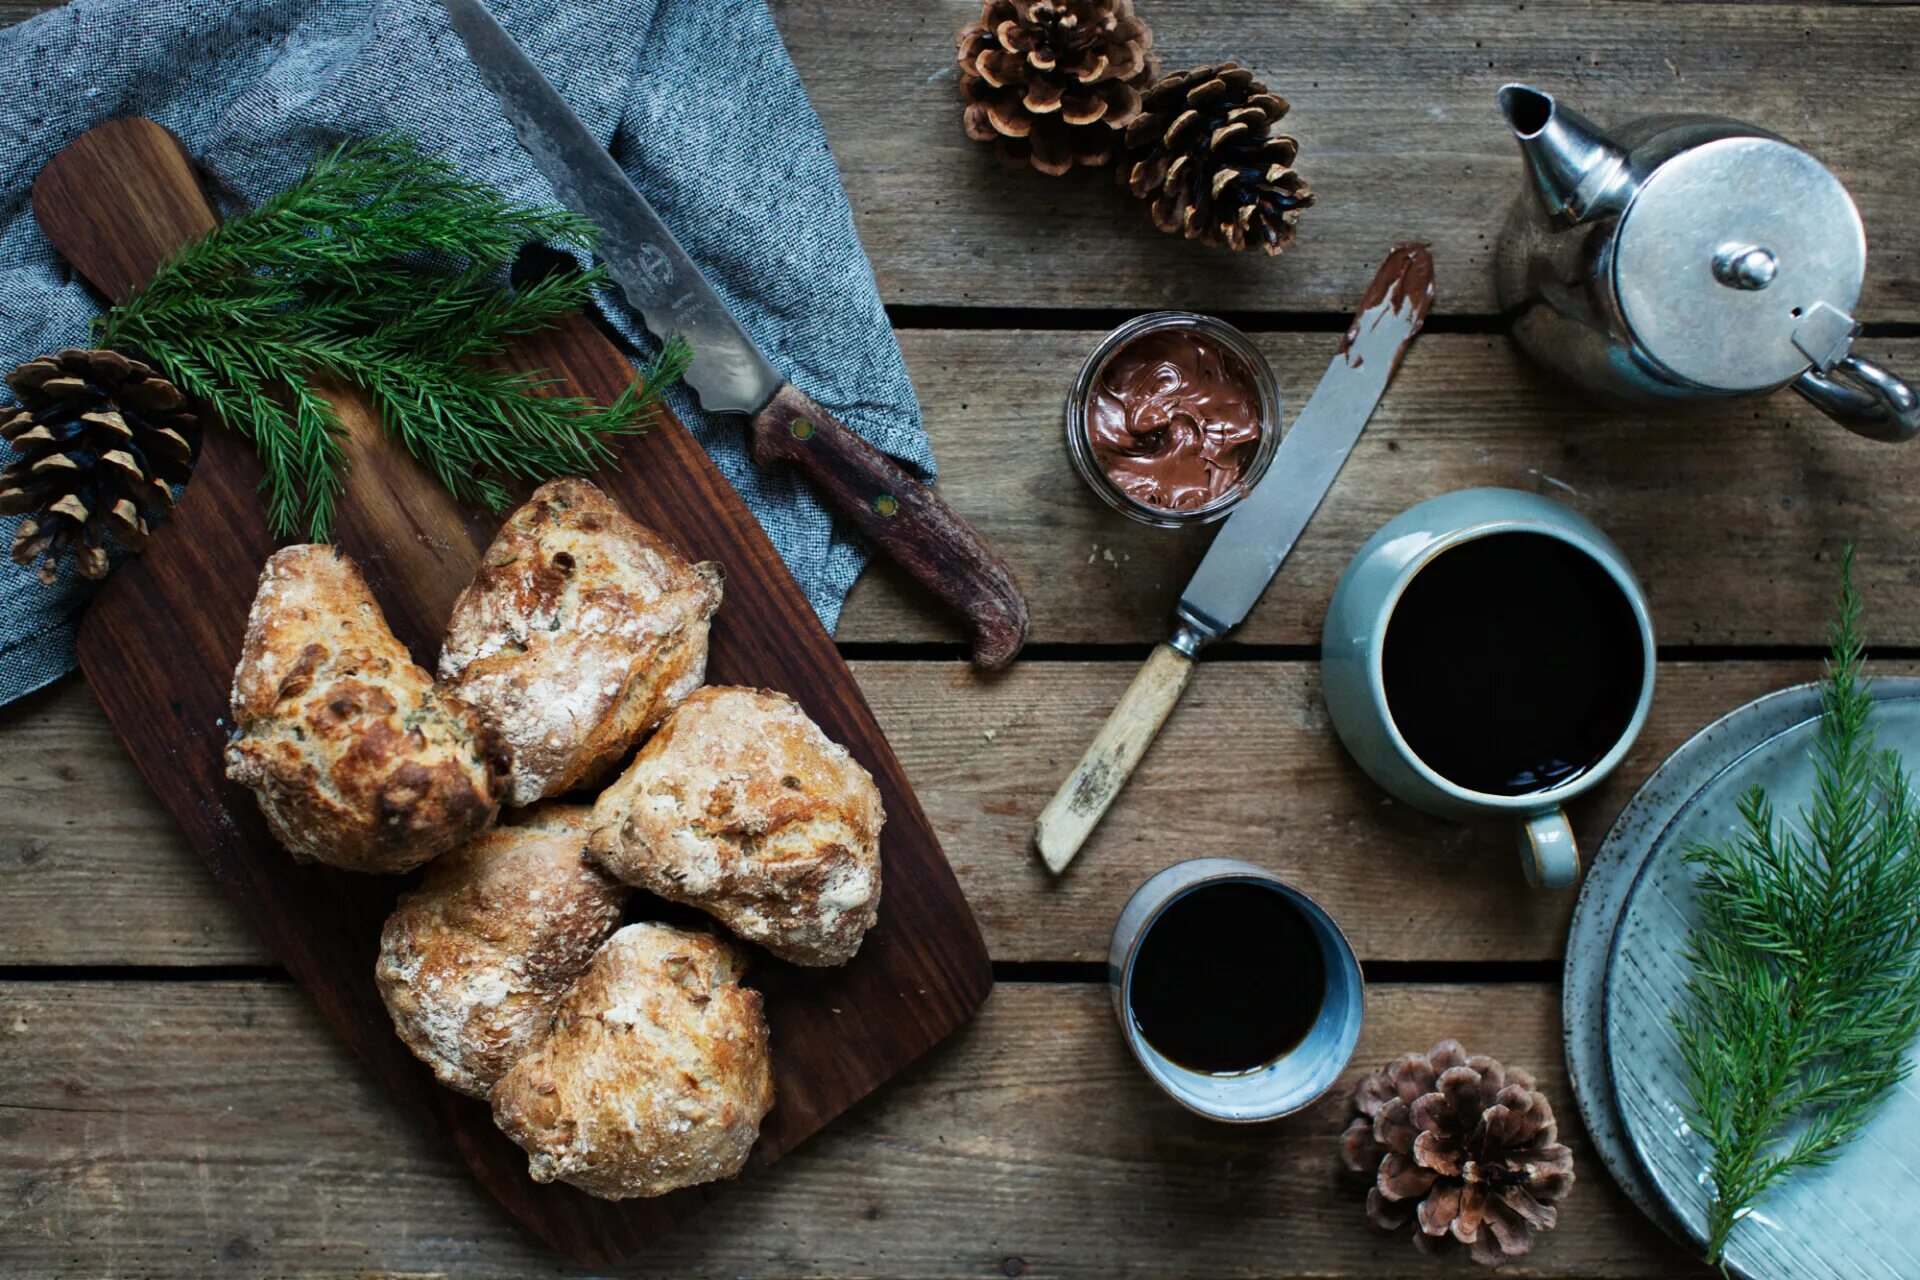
(171, 1105)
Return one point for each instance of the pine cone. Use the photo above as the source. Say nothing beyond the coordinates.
(99, 439)
(1201, 154)
(1462, 1146)
(1054, 83)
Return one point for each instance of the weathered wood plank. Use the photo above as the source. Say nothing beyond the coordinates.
(92, 872)
(1393, 106)
(187, 1129)
(1730, 516)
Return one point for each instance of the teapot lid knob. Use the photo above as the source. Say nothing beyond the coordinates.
(1724, 250)
(1745, 266)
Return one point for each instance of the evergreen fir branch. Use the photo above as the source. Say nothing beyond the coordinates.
(1805, 991)
(382, 267)
(468, 318)
(666, 368)
(302, 442)
(359, 210)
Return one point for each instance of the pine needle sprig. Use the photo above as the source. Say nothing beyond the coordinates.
(361, 207)
(303, 440)
(381, 268)
(1804, 995)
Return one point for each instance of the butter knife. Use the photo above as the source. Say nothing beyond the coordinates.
(729, 373)
(1250, 546)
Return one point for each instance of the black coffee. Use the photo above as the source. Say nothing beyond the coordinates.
(1228, 978)
(1513, 663)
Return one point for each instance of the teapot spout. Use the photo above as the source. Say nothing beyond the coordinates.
(1578, 172)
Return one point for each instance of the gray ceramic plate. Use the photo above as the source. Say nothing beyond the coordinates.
(1633, 839)
(1850, 1220)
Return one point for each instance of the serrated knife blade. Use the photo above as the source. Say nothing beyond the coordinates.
(728, 371)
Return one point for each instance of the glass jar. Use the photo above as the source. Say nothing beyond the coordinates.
(1080, 442)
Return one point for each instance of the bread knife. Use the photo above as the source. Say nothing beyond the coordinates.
(729, 373)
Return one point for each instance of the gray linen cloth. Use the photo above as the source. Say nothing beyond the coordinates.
(697, 99)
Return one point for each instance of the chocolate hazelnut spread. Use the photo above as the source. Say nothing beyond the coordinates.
(1405, 283)
(1174, 419)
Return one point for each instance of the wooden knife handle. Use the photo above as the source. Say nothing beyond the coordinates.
(1084, 797)
(902, 516)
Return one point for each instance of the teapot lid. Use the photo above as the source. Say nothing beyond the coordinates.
(1738, 262)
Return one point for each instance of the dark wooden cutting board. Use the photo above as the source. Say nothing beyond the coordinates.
(160, 643)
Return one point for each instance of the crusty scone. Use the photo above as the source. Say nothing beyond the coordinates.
(580, 632)
(357, 759)
(742, 807)
(474, 961)
(655, 1074)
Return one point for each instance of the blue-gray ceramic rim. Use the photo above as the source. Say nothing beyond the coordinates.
(1614, 869)
(1788, 715)
(1294, 1080)
(1536, 801)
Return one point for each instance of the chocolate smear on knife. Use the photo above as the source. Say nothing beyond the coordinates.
(1404, 283)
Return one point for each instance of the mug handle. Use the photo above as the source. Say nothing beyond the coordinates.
(1548, 853)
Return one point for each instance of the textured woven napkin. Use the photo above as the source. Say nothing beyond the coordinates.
(696, 99)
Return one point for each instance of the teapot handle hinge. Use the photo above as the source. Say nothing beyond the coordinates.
(1864, 398)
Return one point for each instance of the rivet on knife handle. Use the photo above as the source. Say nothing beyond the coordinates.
(902, 516)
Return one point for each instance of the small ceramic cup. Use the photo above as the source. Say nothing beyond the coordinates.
(1353, 644)
(1292, 1080)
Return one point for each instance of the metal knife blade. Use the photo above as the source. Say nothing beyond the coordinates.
(1261, 532)
(672, 296)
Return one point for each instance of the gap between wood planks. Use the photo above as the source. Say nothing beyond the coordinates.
(1027, 972)
(1228, 651)
(907, 316)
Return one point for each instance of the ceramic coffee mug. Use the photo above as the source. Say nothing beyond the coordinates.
(1561, 663)
(1300, 1074)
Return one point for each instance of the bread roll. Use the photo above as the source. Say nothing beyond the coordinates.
(474, 961)
(357, 760)
(742, 807)
(580, 632)
(654, 1076)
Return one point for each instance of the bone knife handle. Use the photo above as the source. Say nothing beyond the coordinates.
(1083, 798)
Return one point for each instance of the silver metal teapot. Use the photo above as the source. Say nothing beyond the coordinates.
(1688, 257)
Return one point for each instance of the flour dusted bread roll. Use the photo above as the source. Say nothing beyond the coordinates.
(580, 632)
(654, 1076)
(357, 760)
(473, 962)
(742, 807)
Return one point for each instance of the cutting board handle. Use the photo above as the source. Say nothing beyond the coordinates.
(117, 200)
(121, 198)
